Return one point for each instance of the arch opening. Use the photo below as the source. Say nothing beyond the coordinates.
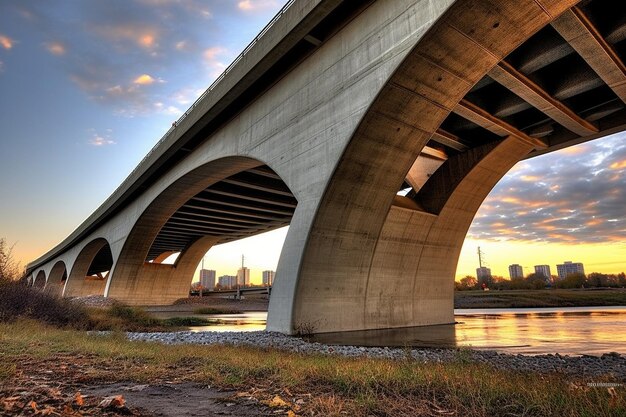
(57, 278)
(90, 270)
(40, 280)
(222, 201)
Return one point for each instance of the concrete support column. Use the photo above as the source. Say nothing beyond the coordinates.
(407, 278)
(156, 283)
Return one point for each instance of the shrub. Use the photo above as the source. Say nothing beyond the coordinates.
(20, 301)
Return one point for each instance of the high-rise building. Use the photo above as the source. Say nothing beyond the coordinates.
(569, 267)
(227, 281)
(243, 276)
(543, 271)
(207, 278)
(268, 278)
(516, 271)
(483, 274)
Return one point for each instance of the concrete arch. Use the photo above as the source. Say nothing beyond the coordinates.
(57, 278)
(373, 259)
(87, 276)
(40, 279)
(136, 281)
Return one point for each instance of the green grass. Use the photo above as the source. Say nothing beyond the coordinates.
(539, 298)
(352, 386)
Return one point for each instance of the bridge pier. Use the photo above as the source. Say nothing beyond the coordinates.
(150, 283)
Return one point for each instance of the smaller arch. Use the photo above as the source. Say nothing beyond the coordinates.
(90, 270)
(160, 259)
(57, 278)
(40, 279)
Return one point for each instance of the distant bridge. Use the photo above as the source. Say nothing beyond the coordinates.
(235, 292)
(333, 109)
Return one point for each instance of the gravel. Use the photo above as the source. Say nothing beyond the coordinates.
(611, 364)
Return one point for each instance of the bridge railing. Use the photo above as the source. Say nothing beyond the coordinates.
(203, 95)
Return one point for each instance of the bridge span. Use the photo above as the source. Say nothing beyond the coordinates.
(331, 111)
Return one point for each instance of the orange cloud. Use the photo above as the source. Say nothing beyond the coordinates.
(144, 79)
(574, 150)
(619, 165)
(594, 222)
(211, 60)
(547, 227)
(529, 178)
(211, 53)
(145, 37)
(56, 48)
(147, 40)
(6, 42)
(560, 236)
(512, 200)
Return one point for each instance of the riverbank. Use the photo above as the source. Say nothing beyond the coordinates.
(540, 298)
(462, 299)
(279, 375)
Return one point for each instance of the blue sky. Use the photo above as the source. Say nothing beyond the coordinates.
(88, 87)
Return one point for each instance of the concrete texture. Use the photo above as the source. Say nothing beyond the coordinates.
(343, 129)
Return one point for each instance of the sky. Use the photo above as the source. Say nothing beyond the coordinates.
(88, 87)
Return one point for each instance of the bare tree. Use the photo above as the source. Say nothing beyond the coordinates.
(9, 267)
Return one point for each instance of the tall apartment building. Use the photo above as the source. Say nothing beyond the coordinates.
(268, 278)
(227, 281)
(516, 271)
(207, 278)
(243, 276)
(569, 267)
(543, 271)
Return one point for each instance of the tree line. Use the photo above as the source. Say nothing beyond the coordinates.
(535, 281)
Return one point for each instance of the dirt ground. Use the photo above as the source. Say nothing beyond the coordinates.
(66, 386)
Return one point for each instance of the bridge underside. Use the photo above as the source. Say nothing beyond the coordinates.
(491, 82)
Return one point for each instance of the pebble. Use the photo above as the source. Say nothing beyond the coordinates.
(612, 364)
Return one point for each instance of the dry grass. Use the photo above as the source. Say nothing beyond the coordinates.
(325, 385)
(539, 298)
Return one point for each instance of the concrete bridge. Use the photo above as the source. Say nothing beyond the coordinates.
(326, 116)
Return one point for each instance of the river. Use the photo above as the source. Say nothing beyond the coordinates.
(564, 330)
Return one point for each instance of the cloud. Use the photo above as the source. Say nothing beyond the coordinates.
(212, 62)
(253, 5)
(568, 196)
(56, 48)
(145, 79)
(6, 42)
(619, 165)
(100, 140)
(113, 49)
(142, 35)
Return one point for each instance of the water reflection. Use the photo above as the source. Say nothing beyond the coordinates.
(567, 330)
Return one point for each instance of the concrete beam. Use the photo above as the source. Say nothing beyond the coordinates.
(529, 91)
(582, 35)
(484, 119)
